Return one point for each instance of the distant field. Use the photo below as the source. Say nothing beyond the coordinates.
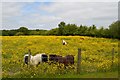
(96, 56)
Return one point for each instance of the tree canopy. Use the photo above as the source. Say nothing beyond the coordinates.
(70, 29)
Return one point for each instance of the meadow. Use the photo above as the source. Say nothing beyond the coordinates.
(96, 56)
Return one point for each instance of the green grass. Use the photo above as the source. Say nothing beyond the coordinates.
(92, 75)
(82, 75)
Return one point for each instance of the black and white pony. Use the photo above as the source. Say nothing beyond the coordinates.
(35, 60)
(64, 42)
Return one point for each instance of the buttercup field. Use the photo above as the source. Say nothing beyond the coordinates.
(96, 56)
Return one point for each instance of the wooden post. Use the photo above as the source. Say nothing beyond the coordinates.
(29, 53)
(79, 61)
(112, 56)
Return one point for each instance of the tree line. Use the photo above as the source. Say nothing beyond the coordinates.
(70, 29)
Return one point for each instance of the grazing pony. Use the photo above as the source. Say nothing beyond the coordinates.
(54, 58)
(35, 60)
(69, 59)
(64, 42)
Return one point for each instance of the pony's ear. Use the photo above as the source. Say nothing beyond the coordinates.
(29, 51)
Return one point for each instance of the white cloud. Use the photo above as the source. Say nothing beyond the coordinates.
(85, 0)
(83, 13)
(18, 0)
(87, 13)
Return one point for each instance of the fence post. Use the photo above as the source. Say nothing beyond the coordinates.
(29, 53)
(112, 56)
(79, 61)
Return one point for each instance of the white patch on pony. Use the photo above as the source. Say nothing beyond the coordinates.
(36, 59)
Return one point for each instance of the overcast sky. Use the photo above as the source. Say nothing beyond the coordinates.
(47, 15)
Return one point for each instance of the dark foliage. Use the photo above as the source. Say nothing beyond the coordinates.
(69, 29)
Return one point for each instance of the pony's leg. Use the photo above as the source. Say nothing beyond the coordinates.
(37, 64)
(23, 64)
(65, 66)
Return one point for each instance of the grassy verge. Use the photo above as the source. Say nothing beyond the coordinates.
(91, 75)
(83, 75)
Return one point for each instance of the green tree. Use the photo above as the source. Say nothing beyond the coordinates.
(107, 33)
(12, 32)
(53, 31)
(83, 30)
(5, 33)
(70, 29)
(92, 30)
(61, 27)
(19, 34)
(114, 29)
(101, 32)
(24, 30)
(79, 30)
